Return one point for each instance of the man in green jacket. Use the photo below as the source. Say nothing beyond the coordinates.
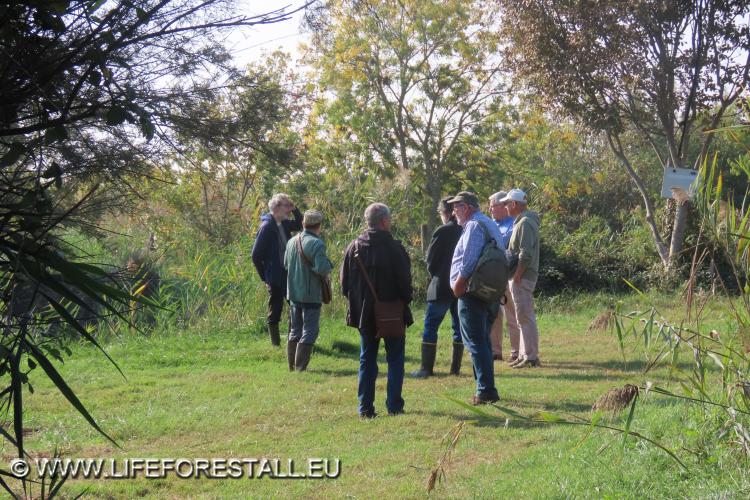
(525, 243)
(307, 265)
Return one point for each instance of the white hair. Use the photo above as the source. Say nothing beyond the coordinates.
(495, 198)
(376, 213)
(277, 200)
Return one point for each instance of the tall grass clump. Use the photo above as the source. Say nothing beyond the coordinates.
(708, 360)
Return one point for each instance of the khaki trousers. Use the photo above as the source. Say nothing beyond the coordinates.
(496, 333)
(521, 317)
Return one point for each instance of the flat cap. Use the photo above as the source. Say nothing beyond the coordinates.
(312, 218)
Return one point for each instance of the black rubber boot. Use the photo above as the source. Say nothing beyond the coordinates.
(458, 353)
(303, 357)
(291, 352)
(273, 332)
(428, 361)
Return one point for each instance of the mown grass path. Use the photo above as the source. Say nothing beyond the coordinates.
(227, 393)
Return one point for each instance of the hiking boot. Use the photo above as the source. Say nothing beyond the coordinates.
(368, 415)
(291, 352)
(458, 353)
(273, 332)
(428, 361)
(513, 359)
(483, 400)
(302, 357)
(395, 412)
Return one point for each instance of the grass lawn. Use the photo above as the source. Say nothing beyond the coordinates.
(227, 393)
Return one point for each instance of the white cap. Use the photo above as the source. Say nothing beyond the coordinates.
(515, 195)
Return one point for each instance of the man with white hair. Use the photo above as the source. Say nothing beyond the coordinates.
(268, 255)
(525, 243)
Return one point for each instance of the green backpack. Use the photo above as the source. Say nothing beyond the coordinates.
(492, 272)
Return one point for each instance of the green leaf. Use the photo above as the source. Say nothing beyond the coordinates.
(15, 151)
(626, 432)
(632, 286)
(147, 128)
(70, 320)
(116, 115)
(548, 417)
(55, 134)
(95, 78)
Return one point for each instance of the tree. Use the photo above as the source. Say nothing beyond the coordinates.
(219, 180)
(92, 91)
(668, 70)
(405, 82)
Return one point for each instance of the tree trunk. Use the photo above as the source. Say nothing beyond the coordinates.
(434, 188)
(661, 247)
(678, 230)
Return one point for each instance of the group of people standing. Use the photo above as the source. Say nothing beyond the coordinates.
(376, 267)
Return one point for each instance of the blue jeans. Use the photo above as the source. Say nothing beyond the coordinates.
(476, 319)
(305, 322)
(434, 315)
(368, 373)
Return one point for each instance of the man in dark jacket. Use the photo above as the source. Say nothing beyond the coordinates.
(440, 298)
(268, 255)
(389, 269)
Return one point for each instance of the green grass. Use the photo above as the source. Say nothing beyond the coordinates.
(225, 392)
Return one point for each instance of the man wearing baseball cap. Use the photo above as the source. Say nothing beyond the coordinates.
(475, 315)
(524, 242)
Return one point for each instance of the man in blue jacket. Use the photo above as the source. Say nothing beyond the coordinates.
(268, 255)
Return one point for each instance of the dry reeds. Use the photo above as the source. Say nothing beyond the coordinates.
(602, 322)
(438, 473)
(616, 399)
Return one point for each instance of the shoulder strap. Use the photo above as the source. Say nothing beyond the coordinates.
(364, 272)
(487, 236)
(304, 256)
(302, 252)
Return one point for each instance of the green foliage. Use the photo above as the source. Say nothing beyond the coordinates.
(403, 86)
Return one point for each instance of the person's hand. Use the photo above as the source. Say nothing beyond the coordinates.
(459, 287)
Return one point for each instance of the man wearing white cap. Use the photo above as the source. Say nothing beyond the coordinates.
(524, 242)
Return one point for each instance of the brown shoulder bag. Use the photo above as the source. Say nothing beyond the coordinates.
(389, 316)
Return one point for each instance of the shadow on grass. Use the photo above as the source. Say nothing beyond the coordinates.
(637, 366)
(345, 350)
(338, 373)
(532, 373)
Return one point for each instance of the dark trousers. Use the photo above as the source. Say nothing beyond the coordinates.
(276, 298)
(368, 373)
